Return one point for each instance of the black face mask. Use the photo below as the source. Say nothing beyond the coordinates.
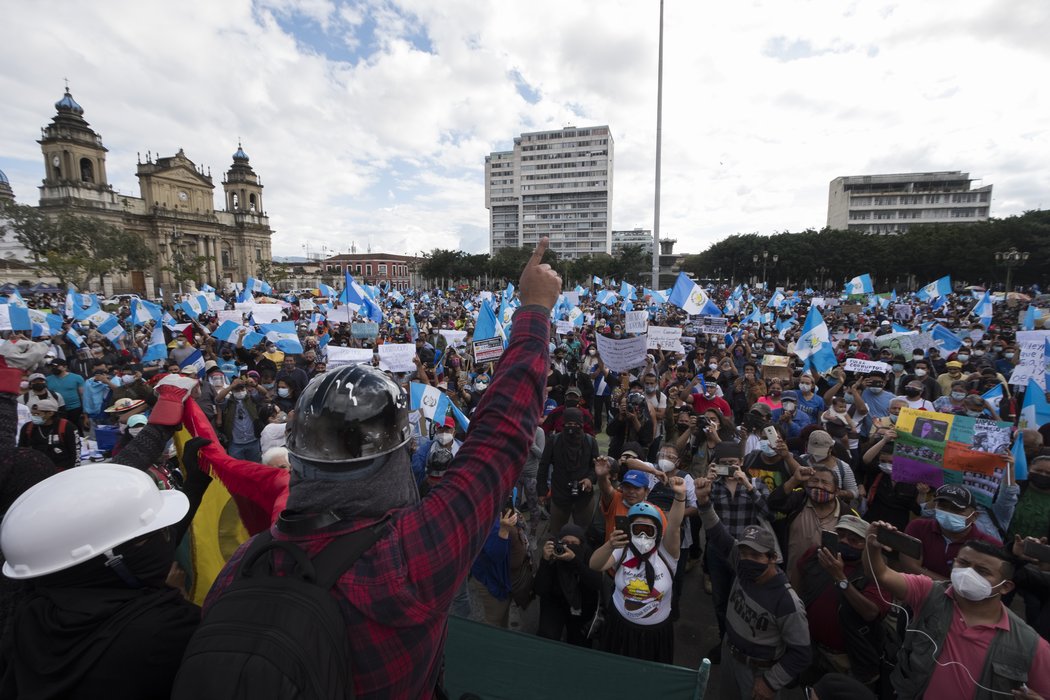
(1040, 481)
(911, 391)
(849, 553)
(750, 570)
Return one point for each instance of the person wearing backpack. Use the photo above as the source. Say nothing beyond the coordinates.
(54, 437)
(568, 458)
(349, 591)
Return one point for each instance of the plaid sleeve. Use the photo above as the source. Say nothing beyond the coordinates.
(442, 537)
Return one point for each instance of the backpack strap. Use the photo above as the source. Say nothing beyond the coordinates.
(341, 553)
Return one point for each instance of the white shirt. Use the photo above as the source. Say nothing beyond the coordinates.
(919, 404)
(633, 598)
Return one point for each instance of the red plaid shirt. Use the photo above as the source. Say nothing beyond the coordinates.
(396, 597)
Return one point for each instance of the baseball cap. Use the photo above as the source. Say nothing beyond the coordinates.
(637, 478)
(47, 405)
(137, 419)
(572, 391)
(634, 448)
(819, 444)
(761, 408)
(853, 524)
(757, 538)
(958, 496)
(36, 375)
(955, 364)
(789, 395)
(210, 364)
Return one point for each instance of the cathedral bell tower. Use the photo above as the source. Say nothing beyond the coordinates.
(74, 157)
(242, 186)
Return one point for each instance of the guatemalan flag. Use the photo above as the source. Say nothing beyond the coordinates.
(947, 341)
(983, 308)
(691, 298)
(111, 329)
(257, 286)
(1035, 412)
(814, 345)
(194, 361)
(143, 311)
(938, 288)
(487, 326)
(860, 285)
(284, 336)
(424, 397)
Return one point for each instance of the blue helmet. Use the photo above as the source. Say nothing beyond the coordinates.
(648, 510)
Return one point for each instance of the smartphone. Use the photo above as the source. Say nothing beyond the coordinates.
(772, 436)
(724, 469)
(622, 524)
(830, 540)
(899, 542)
(1037, 550)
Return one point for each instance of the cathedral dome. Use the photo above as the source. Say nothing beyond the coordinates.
(240, 154)
(68, 104)
(3, 179)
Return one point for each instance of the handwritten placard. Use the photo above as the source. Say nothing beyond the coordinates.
(622, 355)
(636, 321)
(663, 338)
(397, 357)
(339, 356)
(865, 366)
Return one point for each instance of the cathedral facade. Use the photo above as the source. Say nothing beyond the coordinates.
(174, 213)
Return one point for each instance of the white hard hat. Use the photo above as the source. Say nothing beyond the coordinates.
(80, 513)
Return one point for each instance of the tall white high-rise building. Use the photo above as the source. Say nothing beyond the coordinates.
(892, 203)
(556, 184)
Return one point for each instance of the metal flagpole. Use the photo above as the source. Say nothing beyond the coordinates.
(659, 122)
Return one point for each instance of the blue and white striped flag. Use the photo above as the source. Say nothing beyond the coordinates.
(860, 285)
(814, 345)
(937, 288)
(111, 329)
(196, 361)
(284, 336)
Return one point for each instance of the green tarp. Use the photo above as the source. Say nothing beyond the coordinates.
(486, 663)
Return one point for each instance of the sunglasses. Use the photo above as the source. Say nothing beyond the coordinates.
(643, 529)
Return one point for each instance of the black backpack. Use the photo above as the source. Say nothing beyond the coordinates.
(270, 636)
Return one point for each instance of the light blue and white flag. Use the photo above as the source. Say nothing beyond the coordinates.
(983, 308)
(994, 396)
(947, 341)
(143, 311)
(111, 329)
(444, 407)
(814, 345)
(257, 286)
(487, 325)
(283, 335)
(860, 285)
(1035, 412)
(596, 279)
(195, 361)
(937, 288)
(691, 298)
(157, 348)
(326, 291)
(1029, 319)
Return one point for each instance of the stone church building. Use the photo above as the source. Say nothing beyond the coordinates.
(175, 213)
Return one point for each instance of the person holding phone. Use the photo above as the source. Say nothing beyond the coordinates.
(567, 587)
(643, 561)
(990, 648)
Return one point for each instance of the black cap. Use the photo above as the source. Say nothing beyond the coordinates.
(958, 496)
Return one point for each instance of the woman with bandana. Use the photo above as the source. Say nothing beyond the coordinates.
(643, 561)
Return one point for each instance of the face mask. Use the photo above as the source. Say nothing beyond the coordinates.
(876, 390)
(592, 351)
(651, 389)
(665, 465)
(766, 448)
(849, 553)
(886, 467)
(898, 367)
(750, 570)
(958, 395)
(920, 372)
(789, 406)
(135, 431)
(240, 395)
(216, 381)
(712, 365)
(38, 387)
(180, 343)
(819, 495)
(444, 439)
(481, 386)
(806, 388)
(38, 420)
(1040, 481)
(950, 522)
(971, 585)
(1008, 355)
(128, 379)
(721, 346)
(23, 386)
(769, 348)
(643, 543)
(893, 418)
(998, 348)
(963, 358)
(284, 392)
(911, 391)
(854, 348)
(978, 353)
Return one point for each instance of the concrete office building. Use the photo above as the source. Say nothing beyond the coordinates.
(892, 203)
(553, 183)
(638, 236)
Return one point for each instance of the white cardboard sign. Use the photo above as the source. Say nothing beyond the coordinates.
(666, 339)
(622, 355)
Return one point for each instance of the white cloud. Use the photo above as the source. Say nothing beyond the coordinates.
(370, 120)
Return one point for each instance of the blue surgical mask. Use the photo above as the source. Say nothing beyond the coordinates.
(876, 390)
(950, 522)
(958, 395)
(767, 450)
(38, 420)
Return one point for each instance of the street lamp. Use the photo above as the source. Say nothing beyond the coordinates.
(176, 255)
(1010, 259)
(821, 271)
(765, 262)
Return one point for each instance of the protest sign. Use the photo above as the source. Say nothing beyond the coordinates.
(940, 448)
(775, 367)
(636, 322)
(905, 343)
(564, 327)
(343, 314)
(716, 325)
(488, 350)
(865, 366)
(307, 304)
(622, 355)
(339, 356)
(1031, 363)
(397, 357)
(572, 298)
(216, 304)
(367, 329)
(457, 339)
(666, 339)
(267, 313)
(851, 309)
(236, 315)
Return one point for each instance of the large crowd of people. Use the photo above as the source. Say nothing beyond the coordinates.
(591, 487)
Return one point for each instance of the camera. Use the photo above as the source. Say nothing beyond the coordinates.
(560, 548)
(574, 488)
(724, 469)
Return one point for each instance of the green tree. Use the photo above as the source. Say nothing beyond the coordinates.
(273, 273)
(76, 249)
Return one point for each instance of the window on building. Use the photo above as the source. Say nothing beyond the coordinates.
(357, 269)
(382, 269)
(258, 254)
(251, 202)
(87, 170)
(226, 263)
(368, 269)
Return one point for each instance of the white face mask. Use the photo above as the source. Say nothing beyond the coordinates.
(284, 392)
(444, 439)
(240, 395)
(643, 543)
(886, 467)
(919, 372)
(971, 585)
(135, 431)
(665, 465)
(712, 365)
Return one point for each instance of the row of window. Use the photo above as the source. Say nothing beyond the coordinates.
(562, 164)
(919, 213)
(963, 197)
(381, 269)
(566, 185)
(563, 156)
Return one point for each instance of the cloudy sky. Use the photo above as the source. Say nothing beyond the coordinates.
(369, 121)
